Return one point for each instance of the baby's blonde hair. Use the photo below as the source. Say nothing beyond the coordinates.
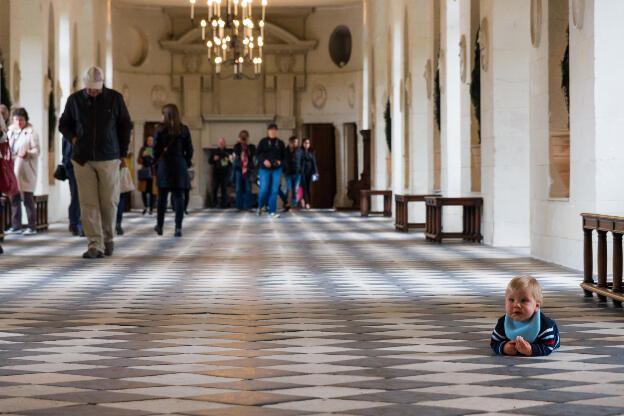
(525, 281)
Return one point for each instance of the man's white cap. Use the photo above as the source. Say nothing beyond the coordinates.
(93, 78)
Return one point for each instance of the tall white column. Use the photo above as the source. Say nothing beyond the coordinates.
(398, 109)
(505, 120)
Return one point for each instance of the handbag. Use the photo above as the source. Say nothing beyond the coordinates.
(8, 181)
(145, 174)
(60, 174)
(126, 184)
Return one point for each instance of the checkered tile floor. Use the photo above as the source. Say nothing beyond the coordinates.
(315, 313)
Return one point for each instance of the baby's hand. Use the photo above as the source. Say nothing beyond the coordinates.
(523, 346)
(510, 348)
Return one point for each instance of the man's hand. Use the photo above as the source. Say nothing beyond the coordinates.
(279, 163)
(523, 347)
(122, 163)
(74, 140)
(267, 164)
(510, 348)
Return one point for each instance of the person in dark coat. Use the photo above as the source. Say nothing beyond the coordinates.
(220, 161)
(147, 186)
(309, 171)
(292, 172)
(75, 225)
(173, 151)
(270, 155)
(244, 170)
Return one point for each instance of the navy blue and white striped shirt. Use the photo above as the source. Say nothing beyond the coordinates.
(546, 342)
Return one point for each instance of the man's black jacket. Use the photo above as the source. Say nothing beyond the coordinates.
(272, 150)
(101, 126)
(293, 161)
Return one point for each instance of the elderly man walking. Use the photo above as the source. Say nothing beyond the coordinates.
(97, 122)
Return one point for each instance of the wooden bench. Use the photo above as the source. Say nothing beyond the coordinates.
(603, 224)
(402, 212)
(41, 213)
(471, 218)
(365, 203)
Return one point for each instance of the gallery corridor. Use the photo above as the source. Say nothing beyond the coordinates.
(316, 313)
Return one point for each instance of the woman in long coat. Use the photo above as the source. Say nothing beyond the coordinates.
(24, 142)
(147, 187)
(173, 151)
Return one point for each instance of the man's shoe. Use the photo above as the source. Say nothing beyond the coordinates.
(259, 212)
(274, 215)
(286, 207)
(158, 230)
(119, 230)
(109, 248)
(14, 231)
(178, 232)
(144, 211)
(74, 230)
(93, 253)
(29, 231)
(1, 251)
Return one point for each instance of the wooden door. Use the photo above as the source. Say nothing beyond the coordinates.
(323, 141)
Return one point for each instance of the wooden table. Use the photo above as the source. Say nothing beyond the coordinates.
(365, 203)
(603, 224)
(402, 211)
(472, 218)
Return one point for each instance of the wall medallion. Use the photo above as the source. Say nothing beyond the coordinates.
(159, 96)
(428, 75)
(135, 46)
(484, 43)
(319, 96)
(462, 58)
(578, 13)
(351, 95)
(536, 22)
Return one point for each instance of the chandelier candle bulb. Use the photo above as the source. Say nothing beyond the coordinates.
(203, 26)
(192, 9)
(235, 7)
(209, 2)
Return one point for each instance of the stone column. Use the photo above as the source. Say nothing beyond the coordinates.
(191, 114)
(398, 109)
(505, 119)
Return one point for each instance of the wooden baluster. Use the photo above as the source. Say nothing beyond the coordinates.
(588, 260)
(617, 266)
(602, 262)
(439, 223)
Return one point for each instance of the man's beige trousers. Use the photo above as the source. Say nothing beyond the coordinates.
(98, 192)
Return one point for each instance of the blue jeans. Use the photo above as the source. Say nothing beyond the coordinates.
(74, 206)
(243, 190)
(291, 182)
(269, 188)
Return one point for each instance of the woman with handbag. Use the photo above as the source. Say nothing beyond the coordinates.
(173, 151)
(309, 171)
(24, 142)
(147, 185)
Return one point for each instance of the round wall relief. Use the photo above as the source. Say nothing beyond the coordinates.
(484, 43)
(319, 96)
(159, 96)
(340, 45)
(462, 58)
(578, 13)
(135, 46)
(536, 22)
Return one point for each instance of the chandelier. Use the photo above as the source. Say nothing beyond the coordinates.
(233, 37)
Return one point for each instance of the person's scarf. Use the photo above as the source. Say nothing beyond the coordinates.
(527, 330)
(244, 160)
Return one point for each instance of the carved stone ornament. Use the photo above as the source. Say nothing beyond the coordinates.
(191, 63)
(462, 58)
(484, 43)
(536, 22)
(351, 95)
(17, 80)
(407, 87)
(428, 75)
(319, 96)
(159, 96)
(285, 63)
(125, 91)
(578, 13)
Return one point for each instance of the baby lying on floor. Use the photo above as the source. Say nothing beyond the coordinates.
(524, 329)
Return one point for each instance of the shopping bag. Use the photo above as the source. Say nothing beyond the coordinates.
(126, 184)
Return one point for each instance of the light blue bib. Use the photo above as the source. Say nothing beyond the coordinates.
(528, 330)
